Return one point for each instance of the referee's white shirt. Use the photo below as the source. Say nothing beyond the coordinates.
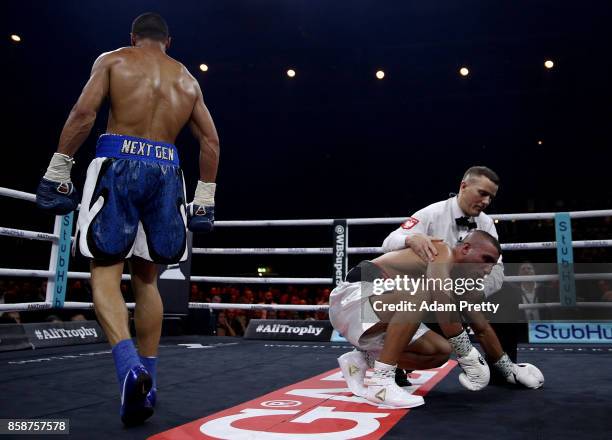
(438, 220)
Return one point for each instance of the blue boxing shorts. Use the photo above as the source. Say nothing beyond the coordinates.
(133, 202)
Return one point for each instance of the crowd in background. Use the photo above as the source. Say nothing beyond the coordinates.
(221, 322)
(233, 322)
(20, 290)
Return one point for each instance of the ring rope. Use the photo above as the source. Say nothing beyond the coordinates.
(579, 304)
(378, 250)
(9, 272)
(33, 235)
(351, 221)
(43, 236)
(18, 307)
(261, 280)
(268, 280)
(7, 192)
(397, 220)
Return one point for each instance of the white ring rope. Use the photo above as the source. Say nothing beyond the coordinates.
(379, 250)
(29, 307)
(351, 221)
(7, 192)
(579, 304)
(192, 305)
(287, 307)
(48, 274)
(25, 307)
(33, 235)
(263, 251)
(19, 307)
(553, 245)
(554, 277)
(262, 280)
(266, 280)
(551, 215)
(398, 220)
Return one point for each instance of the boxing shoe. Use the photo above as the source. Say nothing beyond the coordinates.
(135, 405)
(385, 393)
(353, 366)
(151, 398)
(401, 378)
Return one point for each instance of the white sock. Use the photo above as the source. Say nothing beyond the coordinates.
(384, 370)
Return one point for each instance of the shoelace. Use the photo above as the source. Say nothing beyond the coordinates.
(384, 374)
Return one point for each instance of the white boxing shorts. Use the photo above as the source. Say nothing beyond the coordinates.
(351, 313)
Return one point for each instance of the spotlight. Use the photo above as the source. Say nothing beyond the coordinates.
(380, 74)
(203, 67)
(16, 38)
(464, 71)
(291, 73)
(549, 64)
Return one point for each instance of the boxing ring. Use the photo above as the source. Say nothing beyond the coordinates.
(200, 376)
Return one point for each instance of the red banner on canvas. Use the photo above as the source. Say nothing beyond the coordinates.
(319, 408)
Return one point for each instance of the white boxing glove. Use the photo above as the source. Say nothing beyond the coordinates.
(476, 374)
(527, 375)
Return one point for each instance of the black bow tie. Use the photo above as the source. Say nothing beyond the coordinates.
(465, 222)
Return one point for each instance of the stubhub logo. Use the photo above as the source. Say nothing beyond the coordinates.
(570, 332)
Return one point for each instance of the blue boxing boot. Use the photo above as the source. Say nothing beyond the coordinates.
(134, 405)
(151, 399)
(150, 363)
(135, 382)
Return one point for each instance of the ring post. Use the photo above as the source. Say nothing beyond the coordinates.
(60, 257)
(340, 255)
(565, 259)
